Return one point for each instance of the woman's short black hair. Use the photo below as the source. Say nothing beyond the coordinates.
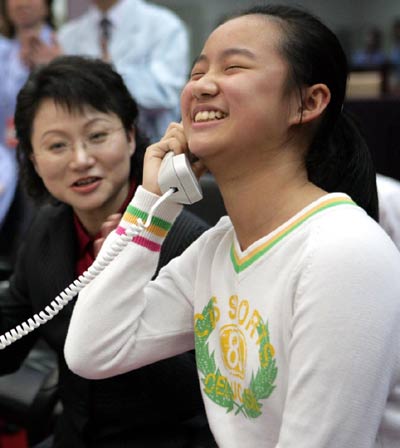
(9, 28)
(338, 158)
(74, 82)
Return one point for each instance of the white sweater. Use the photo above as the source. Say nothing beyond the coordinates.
(297, 338)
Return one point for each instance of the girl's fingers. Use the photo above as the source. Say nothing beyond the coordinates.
(176, 133)
(173, 140)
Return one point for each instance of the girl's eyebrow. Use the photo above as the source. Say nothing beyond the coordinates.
(238, 51)
(227, 52)
(200, 58)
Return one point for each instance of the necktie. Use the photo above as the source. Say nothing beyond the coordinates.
(105, 33)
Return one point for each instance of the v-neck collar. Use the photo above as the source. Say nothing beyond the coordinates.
(242, 260)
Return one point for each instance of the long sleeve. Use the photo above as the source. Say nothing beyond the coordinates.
(123, 321)
(344, 348)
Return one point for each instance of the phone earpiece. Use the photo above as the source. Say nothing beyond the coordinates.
(176, 172)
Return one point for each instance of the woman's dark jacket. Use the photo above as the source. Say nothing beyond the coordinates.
(143, 408)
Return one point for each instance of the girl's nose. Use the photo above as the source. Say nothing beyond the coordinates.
(205, 86)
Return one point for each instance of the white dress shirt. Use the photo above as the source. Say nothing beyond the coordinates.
(148, 46)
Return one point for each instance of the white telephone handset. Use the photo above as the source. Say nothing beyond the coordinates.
(175, 172)
(177, 183)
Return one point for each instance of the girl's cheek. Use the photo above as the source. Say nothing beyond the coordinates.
(185, 96)
(185, 105)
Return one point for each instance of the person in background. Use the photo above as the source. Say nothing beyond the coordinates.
(292, 300)
(81, 155)
(147, 44)
(23, 21)
(4, 28)
(395, 56)
(372, 54)
(389, 206)
(8, 181)
(26, 19)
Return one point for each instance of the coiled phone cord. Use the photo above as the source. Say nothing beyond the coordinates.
(99, 264)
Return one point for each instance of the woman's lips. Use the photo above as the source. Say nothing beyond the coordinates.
(86, 185)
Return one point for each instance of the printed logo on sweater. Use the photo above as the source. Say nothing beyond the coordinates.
(230, 391)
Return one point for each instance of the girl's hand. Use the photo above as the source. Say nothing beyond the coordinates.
(173, 140)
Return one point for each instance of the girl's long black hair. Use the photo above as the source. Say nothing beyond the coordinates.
(338, 158)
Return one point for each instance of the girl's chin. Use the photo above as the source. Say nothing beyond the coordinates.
(201, 148)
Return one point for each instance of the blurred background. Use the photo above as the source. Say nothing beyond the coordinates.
(370, 35)
(349, 19)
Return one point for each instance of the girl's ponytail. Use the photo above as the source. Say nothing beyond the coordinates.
(342, 162)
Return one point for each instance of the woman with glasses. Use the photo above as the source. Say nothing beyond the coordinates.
(81, 154)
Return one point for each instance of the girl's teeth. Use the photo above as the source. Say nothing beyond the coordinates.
(209, 115)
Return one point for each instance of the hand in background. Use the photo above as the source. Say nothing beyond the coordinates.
(42, 53)
(25, 47)
(107, 227)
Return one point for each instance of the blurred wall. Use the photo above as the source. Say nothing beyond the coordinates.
(348, 18)
(203, 16)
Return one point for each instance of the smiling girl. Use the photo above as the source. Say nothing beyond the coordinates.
(291, 301)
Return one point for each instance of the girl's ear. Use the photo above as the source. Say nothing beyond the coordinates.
(315, 100)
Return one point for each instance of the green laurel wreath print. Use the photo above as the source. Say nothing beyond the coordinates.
(217, 387)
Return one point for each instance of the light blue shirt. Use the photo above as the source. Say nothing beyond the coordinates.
(13, 74)
(8, 180)
(149, 47)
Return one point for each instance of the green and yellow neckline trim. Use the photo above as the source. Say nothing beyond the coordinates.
(241, 263)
